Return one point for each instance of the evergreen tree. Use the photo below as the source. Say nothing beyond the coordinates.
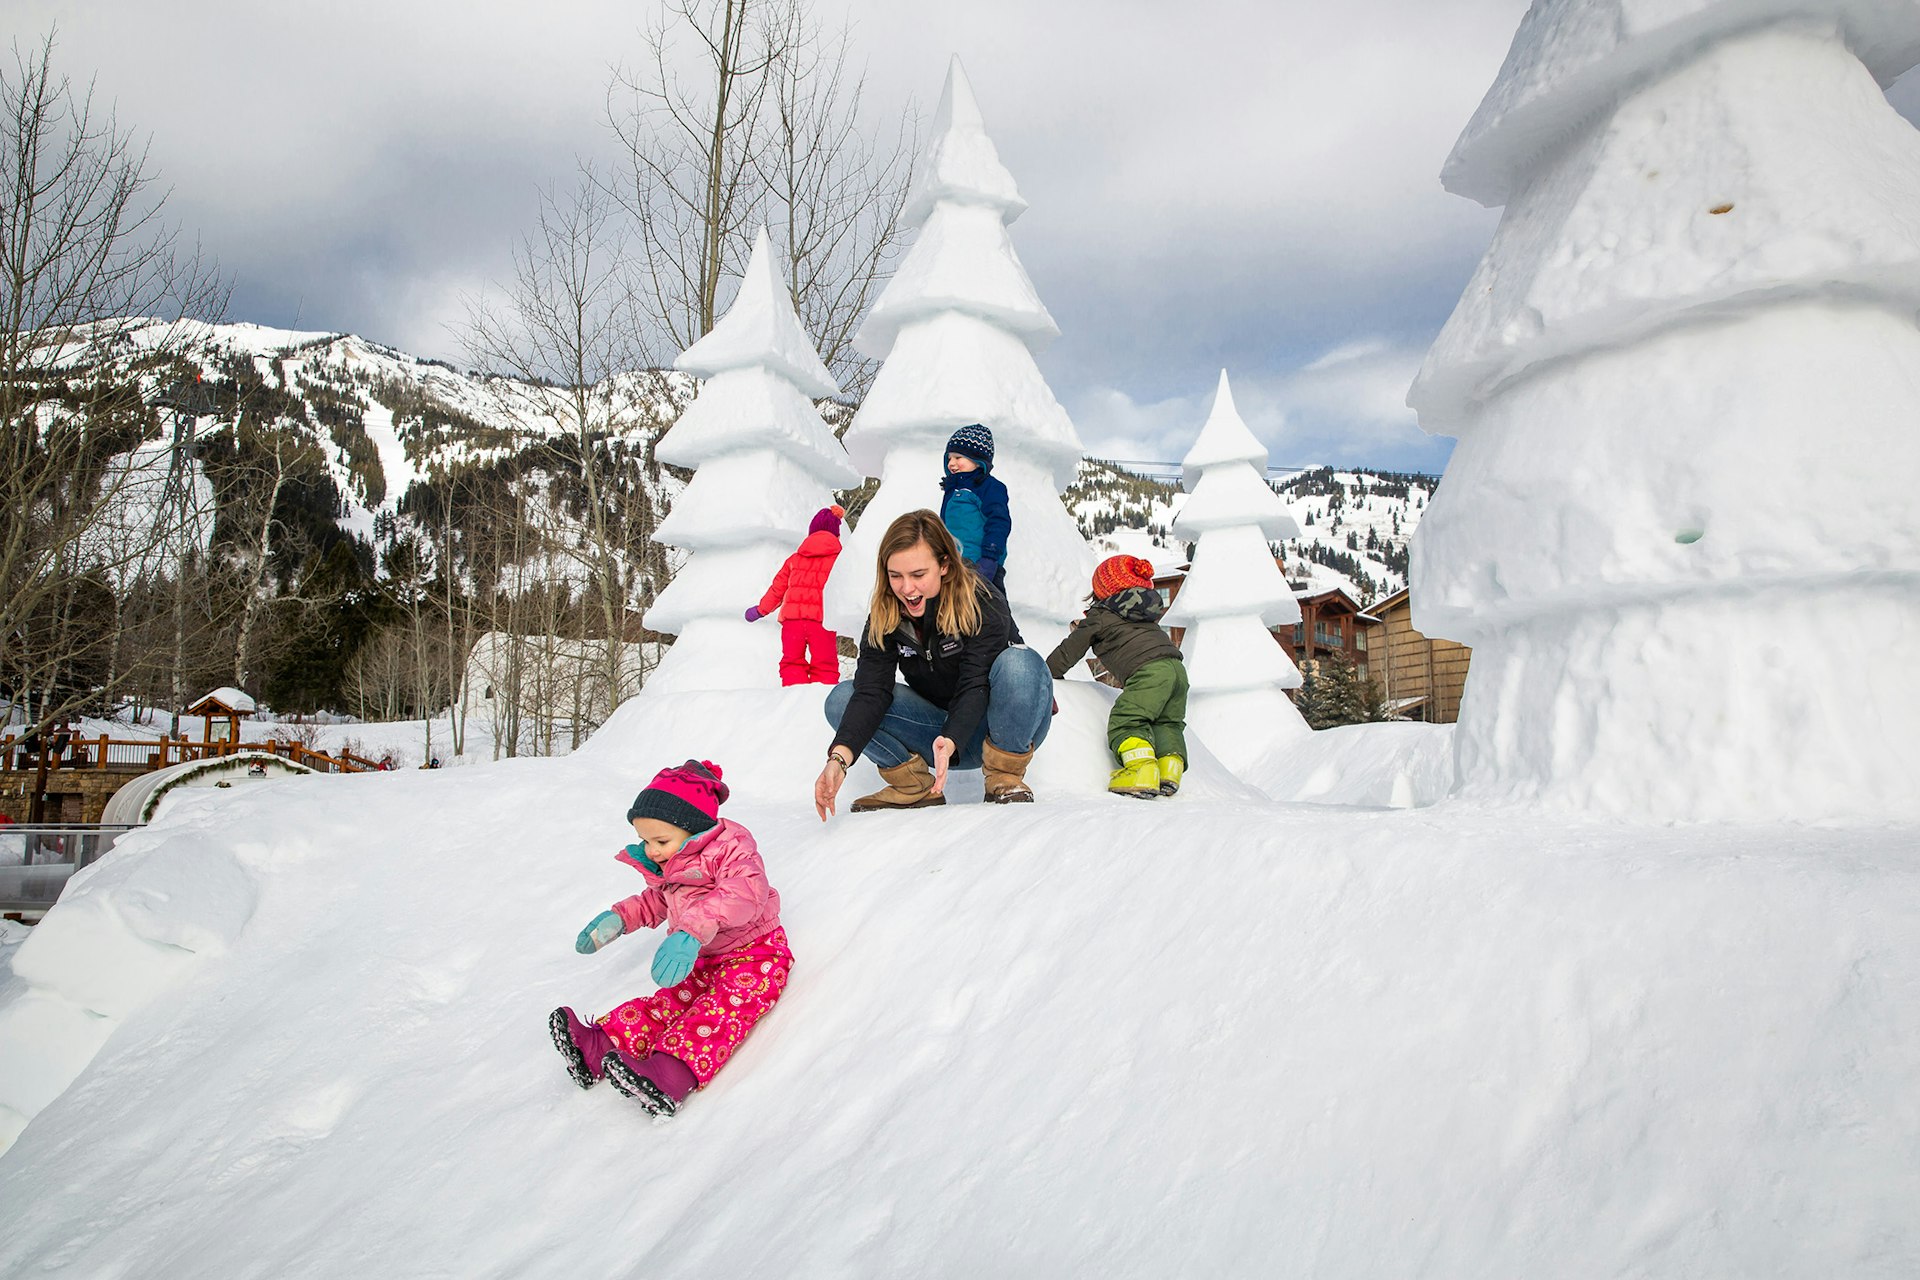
(1333, 693)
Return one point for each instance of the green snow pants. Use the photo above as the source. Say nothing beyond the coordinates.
(1153, 706)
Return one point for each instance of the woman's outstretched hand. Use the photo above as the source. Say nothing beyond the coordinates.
(942, 752)
(826, 787)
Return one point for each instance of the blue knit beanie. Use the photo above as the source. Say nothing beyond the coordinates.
(975, 442)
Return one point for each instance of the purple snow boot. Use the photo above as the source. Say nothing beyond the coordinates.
(584, 1045)
(660, 1084)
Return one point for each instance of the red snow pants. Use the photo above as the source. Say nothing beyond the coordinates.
(704, 1018)
(801, 637)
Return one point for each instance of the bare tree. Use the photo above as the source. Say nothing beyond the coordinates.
(268, 458)
(565, 331)
(378, 676)
(834, 197)
(95, 295)
(739, 113)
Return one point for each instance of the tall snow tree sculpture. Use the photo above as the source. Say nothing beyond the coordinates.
(957, 326)
(1679, 529)
(764, 462)
(1234, 593)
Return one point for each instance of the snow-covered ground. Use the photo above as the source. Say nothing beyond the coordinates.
(1209, 1035)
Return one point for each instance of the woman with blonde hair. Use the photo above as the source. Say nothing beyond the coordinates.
(975, 696)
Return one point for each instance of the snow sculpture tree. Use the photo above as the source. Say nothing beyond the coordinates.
(764, 462)
(957, 326)
(1679, 529)
(1235, 593)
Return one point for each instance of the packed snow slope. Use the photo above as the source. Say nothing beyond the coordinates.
(1213, 1035)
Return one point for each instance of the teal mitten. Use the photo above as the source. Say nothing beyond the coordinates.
(605, 928)
(674, 960)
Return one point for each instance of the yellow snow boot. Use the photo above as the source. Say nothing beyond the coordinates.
(1138, 774)
(1172, 769)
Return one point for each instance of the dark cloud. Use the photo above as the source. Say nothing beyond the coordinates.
(1224, 183)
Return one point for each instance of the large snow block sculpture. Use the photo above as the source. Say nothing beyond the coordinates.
(1234, 593)
(1679, 529)
(957, 326)
(764, 462)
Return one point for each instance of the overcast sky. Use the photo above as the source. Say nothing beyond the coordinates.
(1247, 184)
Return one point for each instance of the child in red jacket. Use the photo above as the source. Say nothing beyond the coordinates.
(809, 653)
(721, 966)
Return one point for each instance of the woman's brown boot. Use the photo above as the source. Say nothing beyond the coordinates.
(1006, 775)
(909, 786)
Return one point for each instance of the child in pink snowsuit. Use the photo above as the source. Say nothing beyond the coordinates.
(721, 966)
(809, 653)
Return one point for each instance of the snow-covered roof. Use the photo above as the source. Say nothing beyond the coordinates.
(227, 696)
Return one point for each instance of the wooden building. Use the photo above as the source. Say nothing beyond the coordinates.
(1332, 623)
(1422, 677)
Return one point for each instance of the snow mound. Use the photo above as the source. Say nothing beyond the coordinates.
(1135, 1038)
(778, 739)
(1381, 766)
(126, 929)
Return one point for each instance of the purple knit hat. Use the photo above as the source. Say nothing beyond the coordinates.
(827, 518)
(688, 796)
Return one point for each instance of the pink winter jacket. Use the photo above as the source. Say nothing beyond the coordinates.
(715, 888)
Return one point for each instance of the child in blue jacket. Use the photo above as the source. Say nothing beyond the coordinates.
(973, 505)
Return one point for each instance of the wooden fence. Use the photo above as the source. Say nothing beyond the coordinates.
(143, 755)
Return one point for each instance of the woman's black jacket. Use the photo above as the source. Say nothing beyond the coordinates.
(949, 671)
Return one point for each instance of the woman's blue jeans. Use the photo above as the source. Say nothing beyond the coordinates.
(1019, 713)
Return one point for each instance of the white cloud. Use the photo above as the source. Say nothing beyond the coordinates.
(1346, 406)
(1347, 354)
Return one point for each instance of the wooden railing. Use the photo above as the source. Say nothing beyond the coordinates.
(143, 755)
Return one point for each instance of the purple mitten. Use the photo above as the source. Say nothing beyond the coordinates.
(754, 614)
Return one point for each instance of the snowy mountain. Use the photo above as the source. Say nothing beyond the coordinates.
(384, 422)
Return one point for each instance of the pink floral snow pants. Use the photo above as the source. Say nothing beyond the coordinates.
(703, 1019)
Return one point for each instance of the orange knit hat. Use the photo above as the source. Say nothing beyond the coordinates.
(1116, 573)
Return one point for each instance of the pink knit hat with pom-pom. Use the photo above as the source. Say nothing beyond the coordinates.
(689, 796)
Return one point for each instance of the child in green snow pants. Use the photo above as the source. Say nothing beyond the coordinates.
(1153, 706)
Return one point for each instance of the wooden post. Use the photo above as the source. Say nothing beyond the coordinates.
(37, 807)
